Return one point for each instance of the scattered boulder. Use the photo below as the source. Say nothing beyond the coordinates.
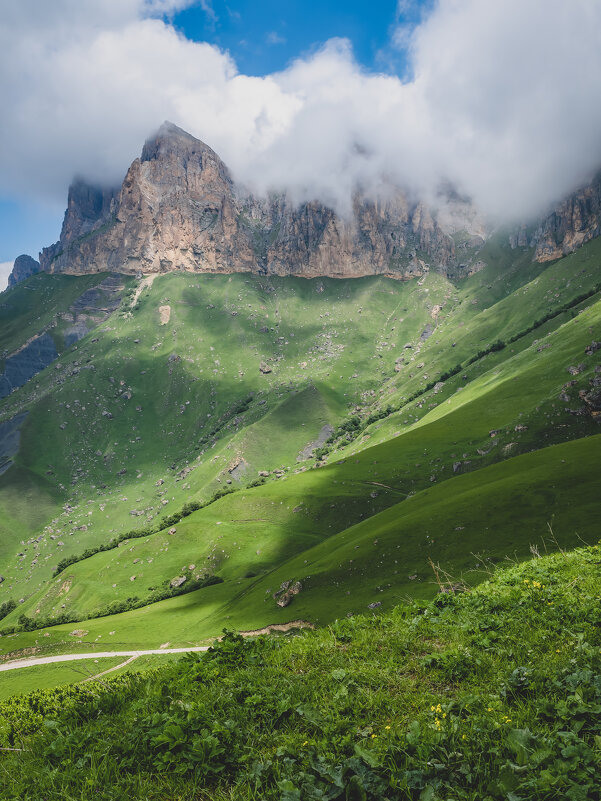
(172, 531)
(374, 605)
(592, 348)
(520, 427)
(78, 633)
(575, 370)
(177, 581)
(427, 332)
(592, 397)
(453, 588)
(264, 368)
(287, 592)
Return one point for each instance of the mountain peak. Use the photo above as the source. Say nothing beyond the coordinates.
(23, 267)
(170, 137)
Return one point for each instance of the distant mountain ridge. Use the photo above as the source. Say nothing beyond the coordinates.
(179, 209)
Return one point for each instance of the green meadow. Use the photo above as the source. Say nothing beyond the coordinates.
(362, 437)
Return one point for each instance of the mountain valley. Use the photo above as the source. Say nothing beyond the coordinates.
(237, 447)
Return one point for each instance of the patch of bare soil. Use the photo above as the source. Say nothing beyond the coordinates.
(21, 654)
(282, 627)
(146, 281)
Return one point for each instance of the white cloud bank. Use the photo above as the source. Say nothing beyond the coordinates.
(504, 102)
(5, 270)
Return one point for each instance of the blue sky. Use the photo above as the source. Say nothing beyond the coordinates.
(265, 36)
(262, 37)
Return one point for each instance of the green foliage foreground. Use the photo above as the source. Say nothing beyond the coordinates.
(489, 694)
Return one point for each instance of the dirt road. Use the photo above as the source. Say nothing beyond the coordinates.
(49, 660)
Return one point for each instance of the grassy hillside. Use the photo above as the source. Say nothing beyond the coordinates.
(431, 435)
(541, 500)
(490, 694)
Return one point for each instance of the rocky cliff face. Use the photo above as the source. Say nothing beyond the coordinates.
(179, 209)
(23, 267)
(571, 223)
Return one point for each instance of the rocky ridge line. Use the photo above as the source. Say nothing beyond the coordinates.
(179, 209)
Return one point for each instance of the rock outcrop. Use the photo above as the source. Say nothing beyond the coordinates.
(88, 310)
(10, 440)
(33, 357)
(179, 209)
(23, 267)
(574, 221)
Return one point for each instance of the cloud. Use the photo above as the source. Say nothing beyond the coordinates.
(207, 7)
(5, 270)
(274, 38)
(503, 102)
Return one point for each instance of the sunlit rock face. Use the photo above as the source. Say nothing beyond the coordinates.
(179, 209)
(570, 224)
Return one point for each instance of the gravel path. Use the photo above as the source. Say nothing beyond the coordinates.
(49, 660)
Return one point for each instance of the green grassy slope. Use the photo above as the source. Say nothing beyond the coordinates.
(191, 419)
(252, 531)
(36, 304)
(490, 694)
(143, 417)
(384, 560)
